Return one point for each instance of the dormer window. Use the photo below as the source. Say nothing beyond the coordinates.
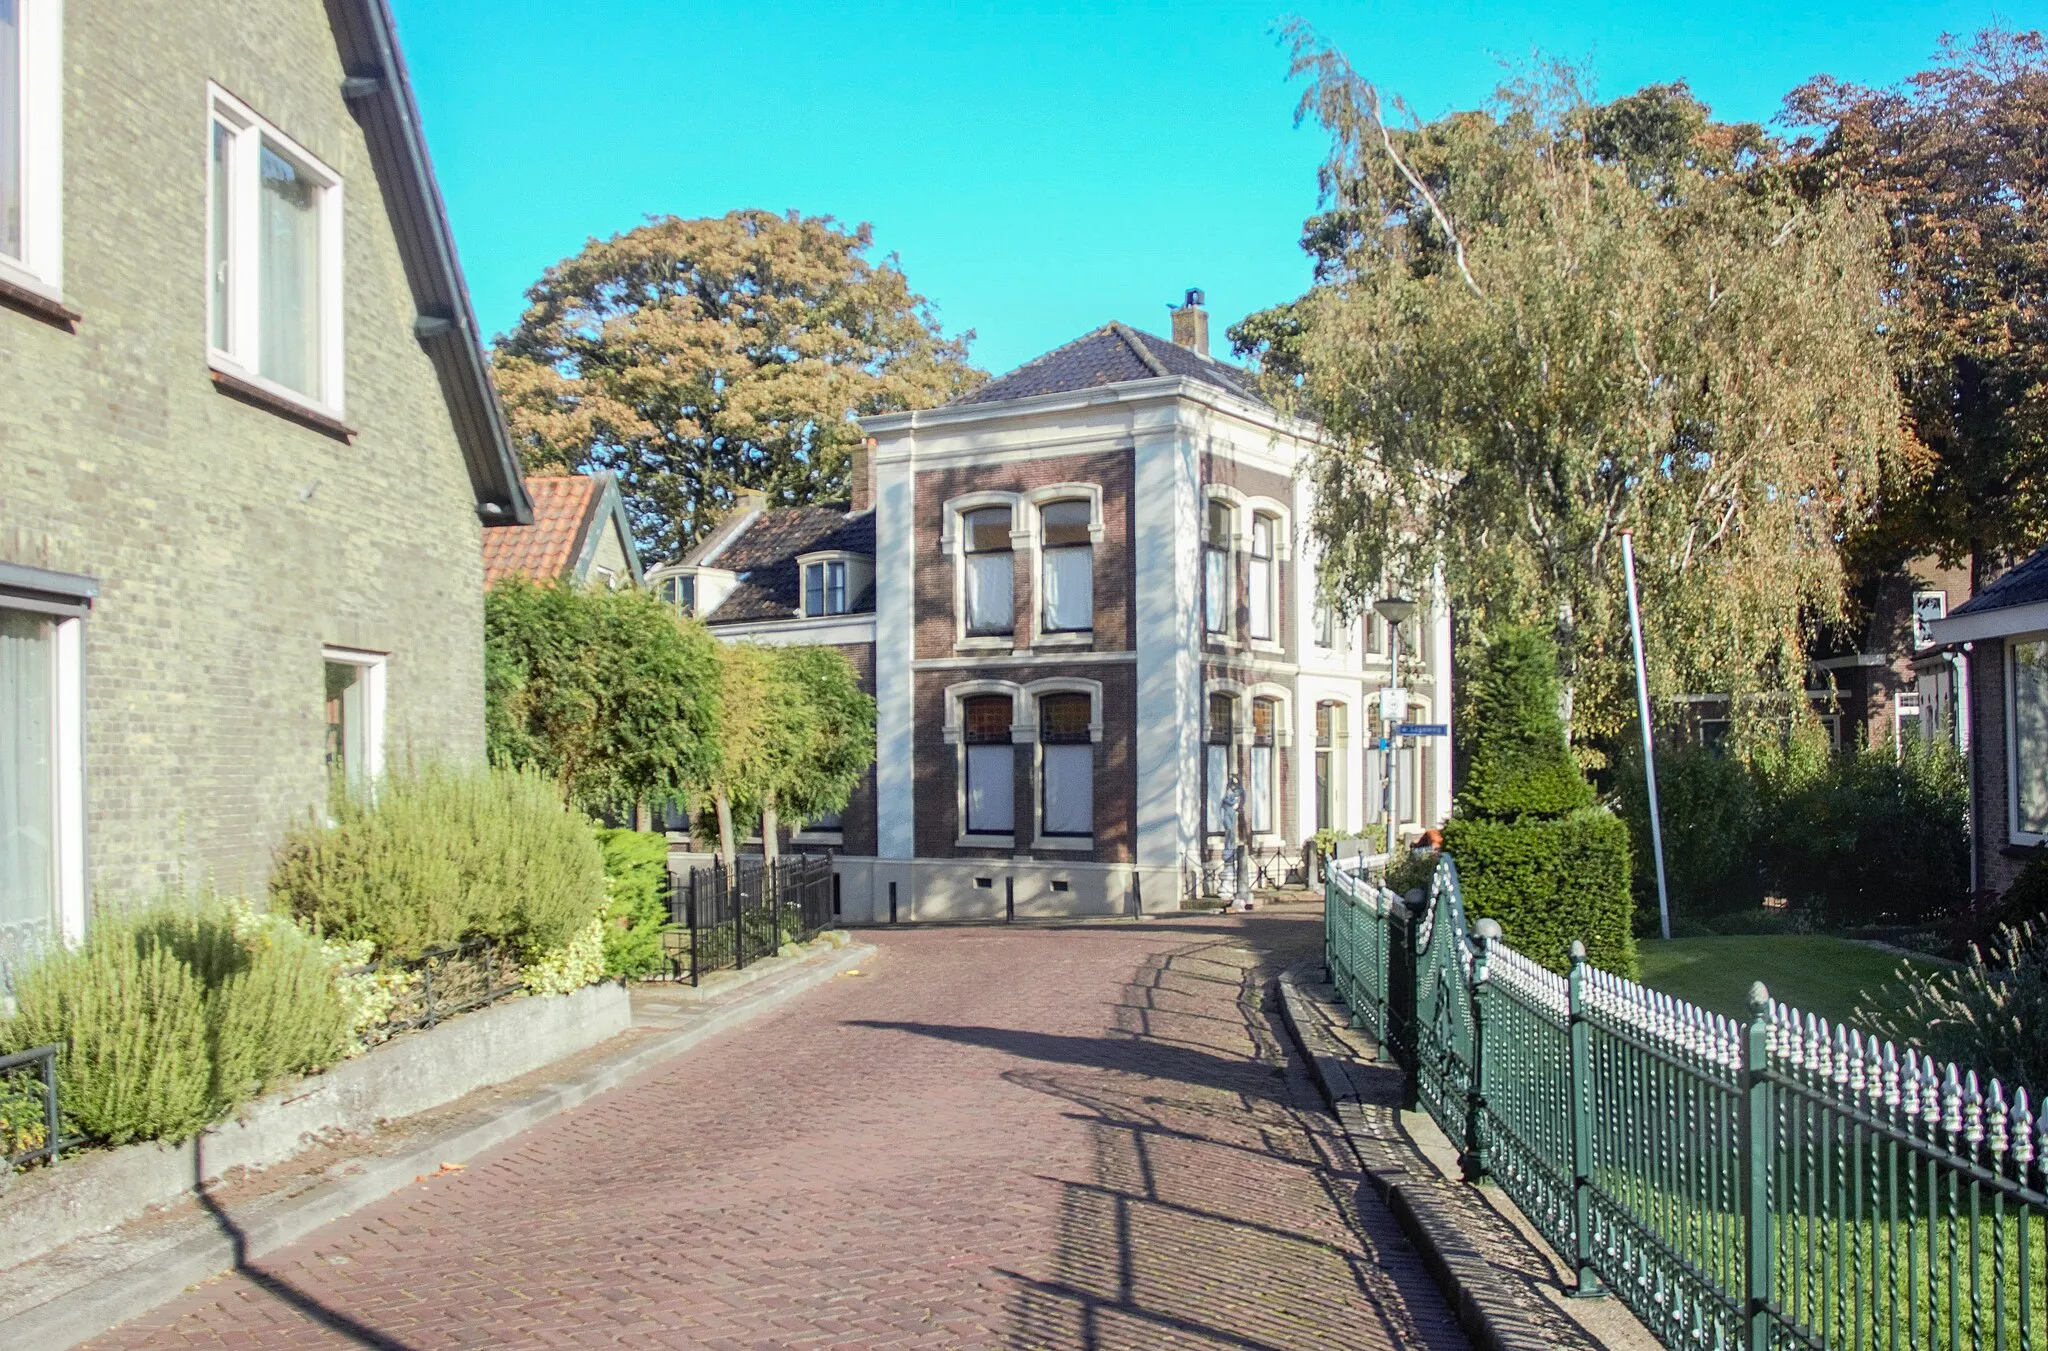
(989, 593)
(680, 592)
(825, 588)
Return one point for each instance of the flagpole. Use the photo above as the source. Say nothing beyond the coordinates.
(1635, 628)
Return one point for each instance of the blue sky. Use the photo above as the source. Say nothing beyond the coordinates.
(1040, 169)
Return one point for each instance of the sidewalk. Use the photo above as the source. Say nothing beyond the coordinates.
(91, 1285)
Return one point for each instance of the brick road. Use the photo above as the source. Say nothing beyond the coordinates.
(1086, 1137)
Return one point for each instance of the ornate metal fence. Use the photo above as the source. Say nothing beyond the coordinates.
(1761, 1184)
(727, 918)
(31, 1127)
(1270, 870)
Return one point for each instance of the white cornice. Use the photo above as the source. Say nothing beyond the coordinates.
(1127, 392)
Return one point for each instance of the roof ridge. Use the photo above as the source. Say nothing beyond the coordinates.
(1140, 350)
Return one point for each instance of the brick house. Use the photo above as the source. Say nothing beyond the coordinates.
(248, 445)
(1888, 684)
(579, 534)
(1082, 596)
(1999, 640)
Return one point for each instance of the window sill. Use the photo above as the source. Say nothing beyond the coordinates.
(1268, 645)
(1065, 638)
(990, 642)
(833, 838)
(1076, 844)
(263, 394)
(37, 302)
(986, 842)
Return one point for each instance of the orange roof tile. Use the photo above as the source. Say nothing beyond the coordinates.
(562, 507)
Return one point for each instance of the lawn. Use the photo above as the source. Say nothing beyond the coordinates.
(1816, 974)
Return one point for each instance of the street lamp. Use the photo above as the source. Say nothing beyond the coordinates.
(1396, 610)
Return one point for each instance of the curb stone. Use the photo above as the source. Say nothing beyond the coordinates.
(1474, 1284)
(79, 1314)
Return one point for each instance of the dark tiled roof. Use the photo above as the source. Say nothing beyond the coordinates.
(765, 553)
(1110, 355)
(2024, 585)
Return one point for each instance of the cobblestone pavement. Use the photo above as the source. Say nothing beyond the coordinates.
(1085, 1137)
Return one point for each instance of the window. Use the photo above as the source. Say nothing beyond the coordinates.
(1067, 764)
(991, 765)
(1264, 588)
(355, 718)
(31, 142)
(1264, 767)
(1332, 634)
(827, 823)
(1068, 580)
(2030, 737)
(1326, 786)
(680, 592)
(42, 796)
(1216, 761)
(991, 604)
(274, 251)
(1216, 570)
(825, 589)
(1375, 634)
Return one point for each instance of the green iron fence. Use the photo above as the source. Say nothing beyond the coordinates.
(1774, 1183)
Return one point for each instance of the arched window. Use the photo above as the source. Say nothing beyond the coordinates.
(1264, 582)
(1216, 760)
(1264, 768)
(1216, 589)
(990, 596)
(991, 765)
(1067, 580)
(1066, 765)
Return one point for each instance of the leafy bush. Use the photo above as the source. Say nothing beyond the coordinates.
(1988, 1013)
(443, 855)
(1710, 812)
(1533, 851)
(636, 883)
(1414, 870)
(174, 1016)
(569, 968)
(2027, 897)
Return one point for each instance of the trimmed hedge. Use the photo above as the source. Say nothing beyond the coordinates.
(1549, 882)
(636, 881)
(1520, 762)
(444, 855)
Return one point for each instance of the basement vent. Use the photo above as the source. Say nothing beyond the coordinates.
(984, 881)
(1059, 886)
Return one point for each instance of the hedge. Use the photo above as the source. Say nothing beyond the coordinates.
(1549, 882)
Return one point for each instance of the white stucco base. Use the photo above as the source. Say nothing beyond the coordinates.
(985, 889)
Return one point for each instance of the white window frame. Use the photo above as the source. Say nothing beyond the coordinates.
(1228, 547)
(240, 357)
(1038, 499)
(40, 268)
(954, 733)
(2012, 739)
(68, 728)
(373, 666)
(824, 569)
(1033, 691)
(953, 543)
(1262, 586)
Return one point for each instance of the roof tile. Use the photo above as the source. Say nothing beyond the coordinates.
(545, 550)
(764, 556)
(1111, 355)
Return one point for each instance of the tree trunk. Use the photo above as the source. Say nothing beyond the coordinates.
(768, 823)
(725, 843)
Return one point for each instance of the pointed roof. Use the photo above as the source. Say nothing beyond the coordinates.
(764, 555)
(1111, 355)
(569, 513)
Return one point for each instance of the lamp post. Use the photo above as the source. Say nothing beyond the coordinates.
(1396, 610)
(1635, 627)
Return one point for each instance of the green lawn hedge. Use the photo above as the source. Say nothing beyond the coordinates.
(1548, 882)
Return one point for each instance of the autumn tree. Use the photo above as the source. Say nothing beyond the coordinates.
(1541, 323)
(694, 358)
(1956, 160)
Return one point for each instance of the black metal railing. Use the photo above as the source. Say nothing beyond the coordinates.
(1270, 869)
(31, 1127)
(724, 917)
(440, 983)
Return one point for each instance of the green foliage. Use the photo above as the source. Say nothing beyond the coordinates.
(564, 970)
(610, 692)
(1548, 882)
(1520, 763)
(696, 358)
(441, 855)
(2027, 897)
(1814, 973)
(1533, 852)
(1988, 1013)
(840, 744)
(1406, 874)
(636, 883)
(1711, 815)
(174, 1016)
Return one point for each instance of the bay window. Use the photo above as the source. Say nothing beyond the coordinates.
(991, 765)
(1264, 581)
(1067, 765)
(1216, 762)
(988, 584)
(274, 258)
(1067, 578)
(1264, 768)
(1216, 588)
(825, 588)
(2029, 783)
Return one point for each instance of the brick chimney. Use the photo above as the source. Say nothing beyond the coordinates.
(860, 473)
(1191, 324)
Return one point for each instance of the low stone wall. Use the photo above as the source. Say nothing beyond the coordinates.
(47, 1208)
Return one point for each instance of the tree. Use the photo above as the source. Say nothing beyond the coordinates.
(1537, 325)
(1956, 160)
(841, 745)
(694, 358)
(610, 692)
